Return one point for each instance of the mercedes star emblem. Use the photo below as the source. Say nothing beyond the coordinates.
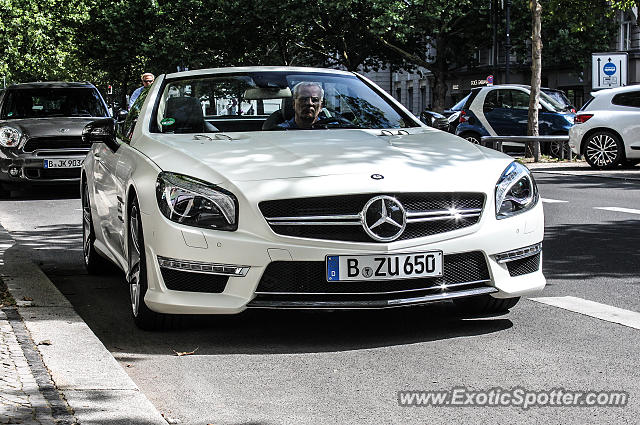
(383, 218)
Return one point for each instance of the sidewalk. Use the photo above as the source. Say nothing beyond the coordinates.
(54, 370)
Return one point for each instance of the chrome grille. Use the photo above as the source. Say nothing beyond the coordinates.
(339, 218)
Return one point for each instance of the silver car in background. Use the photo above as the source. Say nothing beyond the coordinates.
(41, 132)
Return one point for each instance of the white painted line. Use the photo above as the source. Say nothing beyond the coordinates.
(553, 201)
(617, 209)
(591, 308)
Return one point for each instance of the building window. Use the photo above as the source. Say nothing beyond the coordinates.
(423, 98)
(625, 36)
(399, 94)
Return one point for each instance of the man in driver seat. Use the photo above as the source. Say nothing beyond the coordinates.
(307, 104)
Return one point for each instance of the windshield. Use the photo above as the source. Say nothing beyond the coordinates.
(52, 102)
(458, 106)
(264, 101)
(552, 104)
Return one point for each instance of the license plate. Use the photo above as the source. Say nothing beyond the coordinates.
(63, 163)
(384, 267)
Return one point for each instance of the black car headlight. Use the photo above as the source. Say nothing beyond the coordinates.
(193, 202)
(516, 191)
(9, 137)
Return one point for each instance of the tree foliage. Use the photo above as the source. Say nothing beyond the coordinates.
(114, 41)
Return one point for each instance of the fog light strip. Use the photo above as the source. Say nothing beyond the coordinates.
(210, 268)
(517, 254)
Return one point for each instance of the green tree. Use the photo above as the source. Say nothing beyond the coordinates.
(36, 40)
(115, 42)
(439, 35)
(571, 31)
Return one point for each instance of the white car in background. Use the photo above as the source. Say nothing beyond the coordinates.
(607, 128)
(210, 213)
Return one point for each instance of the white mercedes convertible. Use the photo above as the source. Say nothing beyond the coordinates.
(212, 201)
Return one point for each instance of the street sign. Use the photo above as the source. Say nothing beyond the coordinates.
(490, 80)
(608, 70)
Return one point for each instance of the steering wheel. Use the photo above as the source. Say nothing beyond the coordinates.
(322, 123)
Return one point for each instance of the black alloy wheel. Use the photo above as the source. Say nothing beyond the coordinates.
(604, 150)
(472, 137)
(143, 316)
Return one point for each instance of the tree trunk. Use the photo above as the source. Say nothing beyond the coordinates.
(533, 148)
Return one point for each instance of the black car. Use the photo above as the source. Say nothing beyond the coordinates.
(41, 132)
(435, 120)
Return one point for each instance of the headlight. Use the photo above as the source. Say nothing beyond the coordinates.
(9, 137)
(193, 202)
(516, 191)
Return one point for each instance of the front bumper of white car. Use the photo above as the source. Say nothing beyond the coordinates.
(196, 271)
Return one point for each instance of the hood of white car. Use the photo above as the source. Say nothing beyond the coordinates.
(239, 157)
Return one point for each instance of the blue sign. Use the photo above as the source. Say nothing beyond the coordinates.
(609, 68)
(490, 79)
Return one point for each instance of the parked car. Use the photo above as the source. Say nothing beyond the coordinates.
(453, 114)
(435, 120)
(607, 130)
(41, 132)
(503, 110)
(560, 97)
(214, 214)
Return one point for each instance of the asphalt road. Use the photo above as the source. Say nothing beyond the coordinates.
(264, 367)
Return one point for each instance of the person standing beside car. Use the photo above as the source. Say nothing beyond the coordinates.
(147, 79)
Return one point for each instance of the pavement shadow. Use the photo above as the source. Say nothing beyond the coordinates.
(582, 251)
(585, 182)
(44, 192)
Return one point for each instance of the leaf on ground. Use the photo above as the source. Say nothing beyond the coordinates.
(185, 353)
(27, 299)
(44, 342)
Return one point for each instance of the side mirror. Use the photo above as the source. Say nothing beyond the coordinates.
(122, 115)
(100, 131)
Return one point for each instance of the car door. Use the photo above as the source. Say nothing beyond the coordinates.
(626, 119)
(506, 111)
(110, 182)
(105, 160)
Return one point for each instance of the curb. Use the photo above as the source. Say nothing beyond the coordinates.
(94, 385)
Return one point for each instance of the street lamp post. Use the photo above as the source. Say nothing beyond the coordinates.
(507, 45)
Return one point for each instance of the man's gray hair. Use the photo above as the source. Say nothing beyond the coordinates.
(299, 86)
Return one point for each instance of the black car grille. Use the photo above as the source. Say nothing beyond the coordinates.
(56, 142)
(449, 205)
(310, 277)
(177, 280)
(305, 282)
(524, 265)
(52, 173)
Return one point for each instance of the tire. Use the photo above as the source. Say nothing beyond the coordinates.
(143, 316)
(471, 137)
(484, 304)
(93, 262)
(603, 150)
(555, 149)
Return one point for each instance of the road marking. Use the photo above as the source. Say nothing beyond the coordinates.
(617, 209)
(553, 201)
(591, 308)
